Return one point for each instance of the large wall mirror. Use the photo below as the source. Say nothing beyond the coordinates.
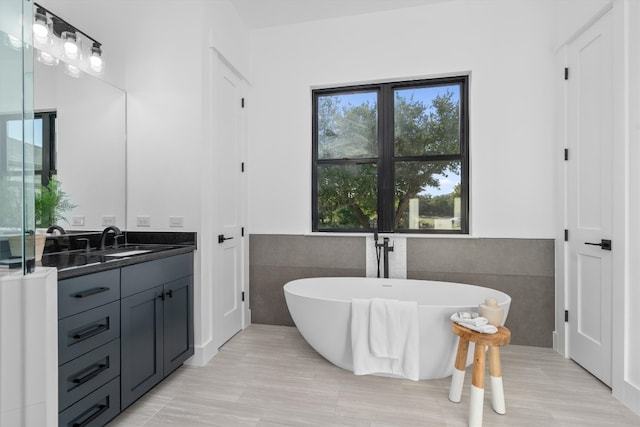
(89, 157)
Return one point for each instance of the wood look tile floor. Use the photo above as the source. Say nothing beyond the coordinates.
(269, 376)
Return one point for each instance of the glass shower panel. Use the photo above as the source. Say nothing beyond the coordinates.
(16, 137)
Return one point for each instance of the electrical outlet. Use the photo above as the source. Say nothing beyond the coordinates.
(108, 220)
(77, 221)
(176, 221)
(143, 221)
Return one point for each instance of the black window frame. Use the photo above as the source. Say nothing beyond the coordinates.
(386, 159)
(49, 149)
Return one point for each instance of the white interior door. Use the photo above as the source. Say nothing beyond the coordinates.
(589, 198)
(229, 203)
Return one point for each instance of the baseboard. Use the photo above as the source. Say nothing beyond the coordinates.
(202, 355)
(632, 397)
(246, 321)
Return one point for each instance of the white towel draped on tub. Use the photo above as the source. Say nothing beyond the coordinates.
(391, 329)
(385, 329)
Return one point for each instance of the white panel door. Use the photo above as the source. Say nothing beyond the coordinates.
(589, 198)
(229, 203)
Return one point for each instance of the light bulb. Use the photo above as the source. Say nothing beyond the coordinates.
(95, 61)
(40, 27)
(70, 44)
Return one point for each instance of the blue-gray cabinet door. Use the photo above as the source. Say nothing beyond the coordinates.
(142, 343)
(178, 323)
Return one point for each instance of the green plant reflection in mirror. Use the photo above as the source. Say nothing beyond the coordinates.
(51, 204)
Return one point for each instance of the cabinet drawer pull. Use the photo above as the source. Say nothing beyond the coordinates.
(94, 330)
(99, 368)
(90, 292)
(96, 414)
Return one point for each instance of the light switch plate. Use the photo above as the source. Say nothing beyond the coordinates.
(143, 221)
(77, 221)
(176, 221)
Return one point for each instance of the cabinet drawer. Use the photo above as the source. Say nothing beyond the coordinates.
(94, 410)
(86, 292)
(140, 277)
(88, 330)
(81, 376)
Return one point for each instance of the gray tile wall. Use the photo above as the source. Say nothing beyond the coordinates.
(275, 260)
(523, 268)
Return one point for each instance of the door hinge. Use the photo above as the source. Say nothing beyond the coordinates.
(566, 154)
(566, 73)
(242, 296)
(242, 103)
(566, 235)
(242, 231)
(242, 167)
(566, 315)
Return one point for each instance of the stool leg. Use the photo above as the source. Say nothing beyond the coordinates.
(497, 391)
(457, 379)
(476, 402)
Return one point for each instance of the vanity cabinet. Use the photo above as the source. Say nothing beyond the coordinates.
(120, 332)
(157, 322)
(89, 349)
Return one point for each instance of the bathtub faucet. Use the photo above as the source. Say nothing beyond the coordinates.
(385, 248)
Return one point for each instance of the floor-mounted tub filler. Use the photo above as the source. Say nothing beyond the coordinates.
(321, 310)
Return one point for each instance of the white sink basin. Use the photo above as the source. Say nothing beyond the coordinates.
(129, 253)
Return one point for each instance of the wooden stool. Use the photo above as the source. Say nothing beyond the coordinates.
(494, 342)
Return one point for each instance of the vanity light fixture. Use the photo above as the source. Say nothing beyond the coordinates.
(57, 40)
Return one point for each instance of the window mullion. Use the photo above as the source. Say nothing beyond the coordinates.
(386, 182)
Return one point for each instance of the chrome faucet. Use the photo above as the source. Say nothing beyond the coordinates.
(385, 248)
(103, 236)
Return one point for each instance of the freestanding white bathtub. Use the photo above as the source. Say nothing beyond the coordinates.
(321, 310)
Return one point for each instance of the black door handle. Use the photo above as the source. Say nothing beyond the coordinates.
(221, 238)
(605, 244)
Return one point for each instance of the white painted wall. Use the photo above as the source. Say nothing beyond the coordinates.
(506, 46)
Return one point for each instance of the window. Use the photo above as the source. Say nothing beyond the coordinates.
(392, 157)
(41, 151)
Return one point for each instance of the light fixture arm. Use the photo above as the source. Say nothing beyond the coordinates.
(59, 25)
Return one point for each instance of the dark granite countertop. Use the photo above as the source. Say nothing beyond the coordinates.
(139, 247)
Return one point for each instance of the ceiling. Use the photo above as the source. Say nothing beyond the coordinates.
(270, 13)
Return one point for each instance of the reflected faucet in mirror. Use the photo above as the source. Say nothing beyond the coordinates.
(103, 236)
(57, 228)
